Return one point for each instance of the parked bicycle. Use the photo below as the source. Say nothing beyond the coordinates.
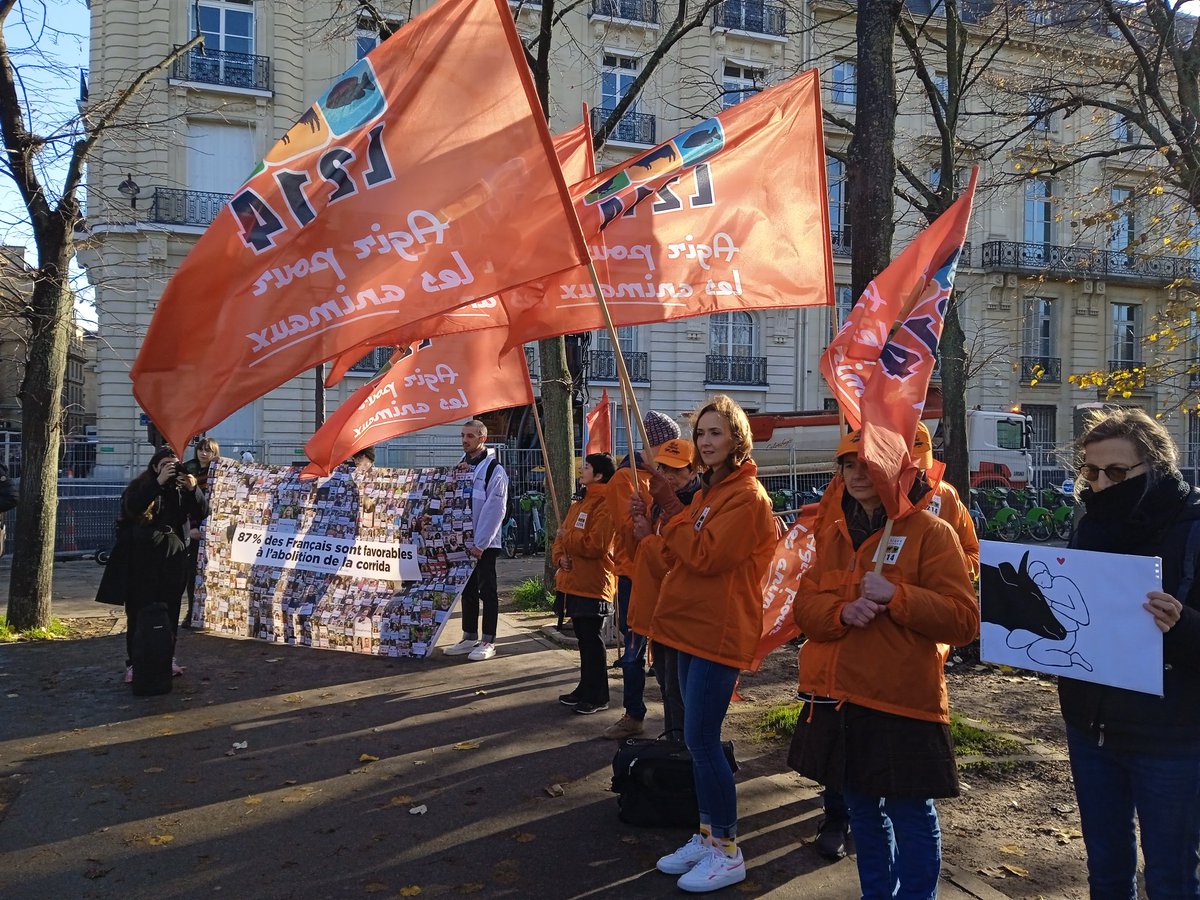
(1036, 520)
(1062, 509)
(527, 511)
(992, 515)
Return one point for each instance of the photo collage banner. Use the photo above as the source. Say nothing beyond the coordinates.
(334, 563)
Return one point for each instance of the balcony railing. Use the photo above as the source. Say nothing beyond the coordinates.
(756, 18)
(172, 206)
(841, 242)
(633, 127)
(1046, 369)
(223, 67)
(1123, 365)
(1081, 262)
(373, 361)
(735, 370)
(604, 366)
(631, 10)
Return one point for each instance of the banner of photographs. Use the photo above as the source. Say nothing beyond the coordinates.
(286, 603)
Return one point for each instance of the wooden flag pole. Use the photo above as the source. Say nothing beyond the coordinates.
(883, 542)
(537, 422)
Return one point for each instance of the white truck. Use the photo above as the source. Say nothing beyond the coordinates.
(997, 441)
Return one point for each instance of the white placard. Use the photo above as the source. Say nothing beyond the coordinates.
(1075, 613)
(257, 545)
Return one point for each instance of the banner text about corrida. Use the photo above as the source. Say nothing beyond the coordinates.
(259, 546)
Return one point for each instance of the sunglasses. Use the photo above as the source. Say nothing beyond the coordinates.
(1114, 472)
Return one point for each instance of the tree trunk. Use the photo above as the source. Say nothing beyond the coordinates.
(954, 403)
(872, 153)
(50, 319)
(560, 438)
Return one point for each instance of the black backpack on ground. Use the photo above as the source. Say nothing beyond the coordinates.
(654, 781)
(153, 650)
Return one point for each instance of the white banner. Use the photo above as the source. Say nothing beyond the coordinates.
(286, 549)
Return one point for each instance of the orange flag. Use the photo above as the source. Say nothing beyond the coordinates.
(422, 180)
(731, 214)
(433, 382)
(853, 356)
(599, 426)
(574, 151)
(793, 555)
(894, 395)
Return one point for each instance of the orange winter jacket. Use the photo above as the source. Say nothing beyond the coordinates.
(586, 536)
(944, 503)
(717, 551)
(620, 490)
(895, 663)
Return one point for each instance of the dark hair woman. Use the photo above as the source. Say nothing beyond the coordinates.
(149, 563)
(208, 451)
(587, 578)
(1131, 753)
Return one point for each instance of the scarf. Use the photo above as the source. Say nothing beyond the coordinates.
(1133, 513)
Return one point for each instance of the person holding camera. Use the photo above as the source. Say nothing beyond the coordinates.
(149, 563)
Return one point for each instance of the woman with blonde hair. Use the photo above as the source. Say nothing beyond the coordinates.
(1133, 754)
(715, 552)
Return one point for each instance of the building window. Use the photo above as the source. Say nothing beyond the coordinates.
(1122, 230)
(1193, 442)
(626, 337)
(1039, 113)
(227, 25)
(844, 302)
(741, 82)
(1122, 130)
(1126, 343)
(1039, 212)
(616, 78)
(371, 33)
(731, 334)
(942, 82)
(1045, 417)
(620, 437)
(1040, 328)
(839, 209)
(845, 83)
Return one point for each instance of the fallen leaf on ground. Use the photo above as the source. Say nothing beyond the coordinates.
(1012, 850)
(467, 745)
(252, 801)
(400, 800)
(411, 891)
(472, 887)
(153, 770)
(629, 839)
(1063, 808)
(293, 698)
(367, 757)
(374, 887)
(1016, 870)
(96, 869)
(554, 790)
(157, 840)
(993, 872)
(524, 837)
(418, 810)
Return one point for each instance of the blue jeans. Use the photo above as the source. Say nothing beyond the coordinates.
(899, 846)
(707, 689)
(1164, 792)
(633, 656)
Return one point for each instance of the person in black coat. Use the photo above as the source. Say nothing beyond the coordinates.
(1132, 753)
(149, 563)
(208, 451)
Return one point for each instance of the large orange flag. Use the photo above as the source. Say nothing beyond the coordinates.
(574, 151)
(731, 214)
(894, 396)
(793, 556)
(433, 382)
(423, 180)
(853, 356)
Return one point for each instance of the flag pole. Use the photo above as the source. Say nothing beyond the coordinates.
(537, 422)
(883, 542)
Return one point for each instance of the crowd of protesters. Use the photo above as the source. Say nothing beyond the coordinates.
(680, 539)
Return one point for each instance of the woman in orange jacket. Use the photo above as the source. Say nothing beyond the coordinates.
(716, 553)
(876, 725)
(587, 578)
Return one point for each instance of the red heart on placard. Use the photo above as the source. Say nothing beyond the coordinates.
(1061, 559)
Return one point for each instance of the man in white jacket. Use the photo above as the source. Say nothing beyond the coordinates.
(489, 502)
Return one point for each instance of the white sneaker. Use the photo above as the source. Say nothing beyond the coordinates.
(482, 651)
(714, 872)
(462, 648)
(685, 857)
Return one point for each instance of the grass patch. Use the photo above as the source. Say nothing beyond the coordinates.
(531, 596)
(780, 720)
(56, 631)
(971, 739)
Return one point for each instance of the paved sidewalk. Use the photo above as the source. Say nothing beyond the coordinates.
(285, 772)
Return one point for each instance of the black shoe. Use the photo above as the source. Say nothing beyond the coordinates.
(570, 699)
(831, 838)
(586, 709)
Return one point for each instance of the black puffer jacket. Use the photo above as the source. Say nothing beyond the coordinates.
(1140, 520)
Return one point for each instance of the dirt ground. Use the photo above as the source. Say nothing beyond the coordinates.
(1015, 826)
